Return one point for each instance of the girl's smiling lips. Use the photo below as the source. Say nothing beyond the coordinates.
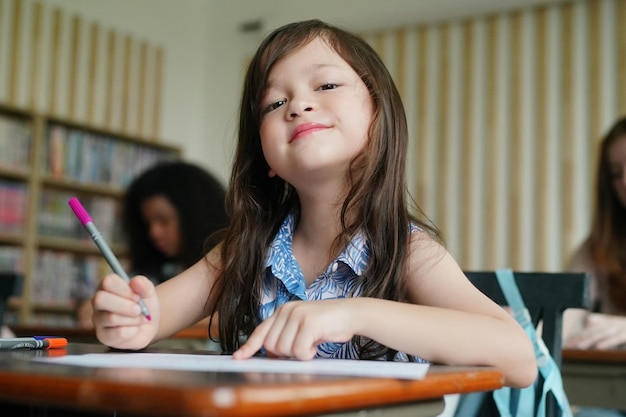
(306, 129)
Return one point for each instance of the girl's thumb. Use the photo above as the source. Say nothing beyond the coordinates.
(142, 286)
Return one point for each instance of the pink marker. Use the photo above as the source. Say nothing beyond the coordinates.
(106, 251)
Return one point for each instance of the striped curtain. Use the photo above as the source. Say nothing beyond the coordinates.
(505, 114)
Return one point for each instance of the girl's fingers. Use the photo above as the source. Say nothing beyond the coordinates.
(288, 336)
(610, 338)
(607, 343)
(117, 335)
(138, 286)
(294, 331)
(591, 339)
(117, 316)
(600, 334)
(115, 284)
(279, 337)
(304, 347)
(296, 328)
(107, 319)
(121, 300)
(110, 302)
(254, 342)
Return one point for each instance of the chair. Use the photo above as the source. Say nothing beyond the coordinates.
(546, 295)
(10, 284)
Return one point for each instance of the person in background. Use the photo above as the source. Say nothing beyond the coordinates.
(170, 214)
(322, 257)
(603, 256)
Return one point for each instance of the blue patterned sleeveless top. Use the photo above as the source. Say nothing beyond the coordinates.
(283, 281)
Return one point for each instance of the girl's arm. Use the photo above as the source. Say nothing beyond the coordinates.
(183, 298)
(450, 320)
(173, 305)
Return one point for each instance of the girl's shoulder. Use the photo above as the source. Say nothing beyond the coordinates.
(425, 249)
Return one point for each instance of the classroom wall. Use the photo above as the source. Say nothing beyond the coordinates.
(505, 111)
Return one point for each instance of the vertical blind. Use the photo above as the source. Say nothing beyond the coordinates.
(505, 114)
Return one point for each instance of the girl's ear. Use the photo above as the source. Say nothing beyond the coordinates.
(271, 173)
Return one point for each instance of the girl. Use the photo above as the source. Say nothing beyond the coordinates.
(321, 257)
(603, 254)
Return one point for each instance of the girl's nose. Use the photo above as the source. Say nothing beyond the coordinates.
(299, 107)
(296, 114)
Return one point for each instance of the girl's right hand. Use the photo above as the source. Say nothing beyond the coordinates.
(117, 317)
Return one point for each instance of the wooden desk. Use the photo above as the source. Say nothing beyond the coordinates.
(25, 385)
(595, 378)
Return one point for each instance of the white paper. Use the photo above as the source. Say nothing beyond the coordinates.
(225, 363)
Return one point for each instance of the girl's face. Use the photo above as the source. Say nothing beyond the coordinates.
(617, 168)
(163, 224)
(316, 115)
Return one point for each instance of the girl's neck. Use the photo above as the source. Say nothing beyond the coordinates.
(319, 218)
(315, 236)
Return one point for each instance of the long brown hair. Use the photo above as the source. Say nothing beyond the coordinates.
(608, 232)
(258, 204)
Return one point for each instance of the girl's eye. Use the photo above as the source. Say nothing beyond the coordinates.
(329, 86)
(274, 105)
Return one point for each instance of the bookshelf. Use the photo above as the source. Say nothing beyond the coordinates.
(45, 160)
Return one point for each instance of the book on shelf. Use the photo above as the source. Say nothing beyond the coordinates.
(13, 199)
(11, 259)
(15, 144)
(90, 158)
(56, 220)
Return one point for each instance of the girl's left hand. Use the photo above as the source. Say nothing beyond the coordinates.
(297, 327)
(600, 331)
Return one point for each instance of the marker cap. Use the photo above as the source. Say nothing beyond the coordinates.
(79, 210)
(56, 342)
